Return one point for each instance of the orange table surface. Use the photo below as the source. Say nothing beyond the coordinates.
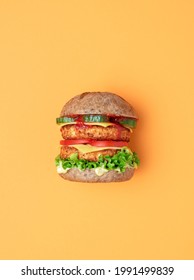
(53, 50)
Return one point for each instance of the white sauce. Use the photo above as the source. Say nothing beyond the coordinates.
(60, 169)
(99, 170)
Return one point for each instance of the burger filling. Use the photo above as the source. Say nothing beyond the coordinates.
(67, 151)
(94, 145)
(114, 132)
(106, 160)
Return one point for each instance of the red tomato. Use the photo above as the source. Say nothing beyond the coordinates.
(95, 143)
(74, 142)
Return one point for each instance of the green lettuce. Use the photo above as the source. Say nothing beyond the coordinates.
(119, 162)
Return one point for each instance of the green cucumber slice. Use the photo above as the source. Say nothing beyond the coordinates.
(83, 118)
(95, 118)
(65, 120)
(128, 122)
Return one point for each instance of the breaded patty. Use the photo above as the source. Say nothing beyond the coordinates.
(115, 132)
(66, 152)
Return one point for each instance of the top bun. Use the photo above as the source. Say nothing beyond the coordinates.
(103, 103)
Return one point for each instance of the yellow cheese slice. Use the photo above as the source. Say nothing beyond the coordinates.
(86, 148)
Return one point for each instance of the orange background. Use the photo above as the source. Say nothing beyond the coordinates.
(52, 50)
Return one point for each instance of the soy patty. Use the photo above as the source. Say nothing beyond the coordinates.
(67, 151)
(96, 132)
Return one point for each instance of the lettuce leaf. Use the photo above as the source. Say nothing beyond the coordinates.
(119, 162)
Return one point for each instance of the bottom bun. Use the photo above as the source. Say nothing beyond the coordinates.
(89, 176)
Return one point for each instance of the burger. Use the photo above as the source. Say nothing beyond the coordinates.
(96, 129)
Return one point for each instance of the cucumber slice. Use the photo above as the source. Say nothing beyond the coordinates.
(128, 122)
(83, 118)
(65, 120)
(95, 118)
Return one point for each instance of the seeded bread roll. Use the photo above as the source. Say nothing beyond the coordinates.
(89, 176)
(103, 103)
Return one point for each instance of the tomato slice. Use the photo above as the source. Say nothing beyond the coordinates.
(74, 142)
(95, 143)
